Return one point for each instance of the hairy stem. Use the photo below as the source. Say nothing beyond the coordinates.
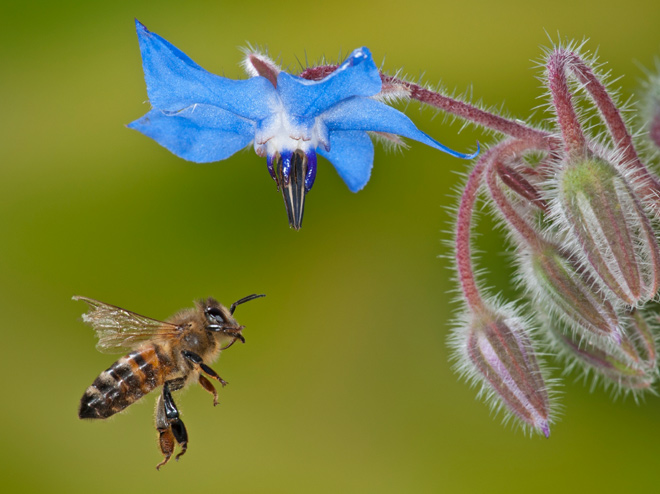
(463, 250)
(497, 167)
(612, 116)
(450, 105)
(575, 144)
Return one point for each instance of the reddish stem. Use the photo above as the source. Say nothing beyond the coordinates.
(460, 109)
(466, 276)
(608, 109)
(495, 167)
(612, 116)
(575, 144)
(466, 111)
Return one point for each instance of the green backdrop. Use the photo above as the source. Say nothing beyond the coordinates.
(344, 384)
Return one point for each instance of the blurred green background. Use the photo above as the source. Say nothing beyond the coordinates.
(344, 384)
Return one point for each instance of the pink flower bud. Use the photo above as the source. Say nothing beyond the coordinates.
(603, 217)
(496, 346)
(626, 365)
(569, 293)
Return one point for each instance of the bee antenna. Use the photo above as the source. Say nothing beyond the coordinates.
(243, 300)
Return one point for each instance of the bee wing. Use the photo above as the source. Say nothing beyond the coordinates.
(121, 330)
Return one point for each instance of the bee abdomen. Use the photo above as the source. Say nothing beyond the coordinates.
(125, 382)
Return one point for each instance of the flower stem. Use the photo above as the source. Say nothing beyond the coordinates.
(466, 275)
(496, 167)
(575, 144)
(464, 110)
(450, 105)
(622, 139)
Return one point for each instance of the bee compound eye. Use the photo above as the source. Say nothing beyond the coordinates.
(214, 315)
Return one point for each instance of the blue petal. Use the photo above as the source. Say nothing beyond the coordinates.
(200, 133)
(174, 81)
(357, 76)
(372, 115)
(352, 154)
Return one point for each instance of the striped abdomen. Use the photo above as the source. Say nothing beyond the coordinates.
(125, 382)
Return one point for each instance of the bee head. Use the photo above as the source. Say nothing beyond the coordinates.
(221, 320)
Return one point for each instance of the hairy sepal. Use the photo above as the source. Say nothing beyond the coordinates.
(629, 366)
(556, 281)
(600, 212)
(494, 349)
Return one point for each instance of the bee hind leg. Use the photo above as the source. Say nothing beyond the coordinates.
(170, 427)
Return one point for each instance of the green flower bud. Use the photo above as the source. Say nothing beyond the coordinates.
(604, 219)
(570, 294)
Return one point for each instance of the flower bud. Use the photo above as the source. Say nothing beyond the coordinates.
(604, 219)
(642, 340)
(621, 364)
(650, 106)
(497, 347)
(556, 281)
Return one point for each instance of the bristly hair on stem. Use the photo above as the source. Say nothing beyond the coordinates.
(615, 344)
(580, 215)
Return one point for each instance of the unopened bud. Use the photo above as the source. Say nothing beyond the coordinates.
(642, 339)
(604, 218)
(620, 364)
(650, 106)
(497, 347)
(569, 293)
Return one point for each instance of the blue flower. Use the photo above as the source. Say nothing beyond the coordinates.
(203, 117)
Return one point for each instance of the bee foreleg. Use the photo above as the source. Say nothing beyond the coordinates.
(199, 364)
(170, 427)
(208, 386)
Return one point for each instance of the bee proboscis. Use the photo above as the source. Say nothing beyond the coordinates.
(170, 353)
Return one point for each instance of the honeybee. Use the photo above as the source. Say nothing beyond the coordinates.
(170, 353)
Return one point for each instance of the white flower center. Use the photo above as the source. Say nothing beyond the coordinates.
(281, 131)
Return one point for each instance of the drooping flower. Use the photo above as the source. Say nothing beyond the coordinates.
(203, 117)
